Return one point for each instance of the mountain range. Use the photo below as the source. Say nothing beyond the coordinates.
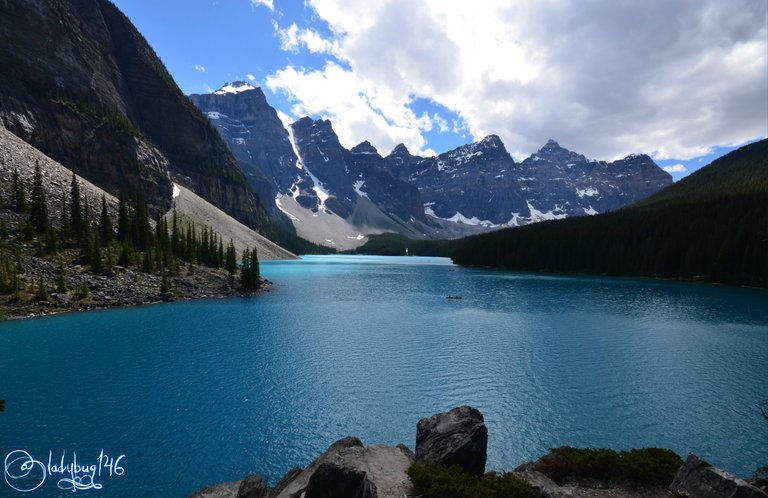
(337, 196)
(711, 226)
(83, 86)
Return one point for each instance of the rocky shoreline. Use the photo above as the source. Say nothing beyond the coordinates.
(458, 438)
(115, 288)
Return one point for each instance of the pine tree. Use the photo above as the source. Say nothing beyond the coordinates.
(16, 285)
(87, 216)
(77, 224)
(250, 274)
(123, 217)
(41, 292)
(18, 268)
(61, 283)
(140, 223)
(106, 232)
(96, 260)
(83, 291)
(29, 230)
(127, 254)
(39, 206)
(245, 273)
(255, 270)
(231, 258)
(51, 240)
(5, 276)
(175, 238)
(19, 197)
(165, 283)
(146, 262)
(64, 222)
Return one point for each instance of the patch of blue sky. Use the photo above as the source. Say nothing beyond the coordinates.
(205, 44)
(682, 168)
(448, 128)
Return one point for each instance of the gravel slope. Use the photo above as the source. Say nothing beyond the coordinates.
(191, 207)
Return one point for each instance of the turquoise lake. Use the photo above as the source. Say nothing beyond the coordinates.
(199, 392)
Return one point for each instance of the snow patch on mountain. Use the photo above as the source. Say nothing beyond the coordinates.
(358, 186)
(279, 205)
(319, 188)
(515, 220)
(587, 192)
(235, 87)
(325, 158)
(292, 139)
(537, 215)
(459, 218)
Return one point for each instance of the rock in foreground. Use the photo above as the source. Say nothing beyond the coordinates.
(348, 469)
(457, 437)
(698, 479)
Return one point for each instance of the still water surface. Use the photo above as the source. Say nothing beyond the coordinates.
(195, 393)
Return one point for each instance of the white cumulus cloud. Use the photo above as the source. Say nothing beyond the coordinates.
(292, 39)
(266, 3)
(671, 78)
(675, 168)
(358, 110)
(199, 68)
(250, 77)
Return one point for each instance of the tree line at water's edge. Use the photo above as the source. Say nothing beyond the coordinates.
(711, 226)
(74, 237)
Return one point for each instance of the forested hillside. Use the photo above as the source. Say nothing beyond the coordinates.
(712, 225)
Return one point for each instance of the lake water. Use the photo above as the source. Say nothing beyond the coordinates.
(195, 393)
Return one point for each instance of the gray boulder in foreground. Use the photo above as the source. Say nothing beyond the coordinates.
(457, 437)
(347, 469)
(253, 486)
(222, 490)
(698, 479)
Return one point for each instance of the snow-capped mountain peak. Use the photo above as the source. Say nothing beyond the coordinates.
(235, 87)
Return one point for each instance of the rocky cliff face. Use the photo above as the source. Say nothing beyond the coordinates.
(257, 138)
(372, 178)
(83, 86)
(560, 183)
(350, 175)
(474, 183)
(334, 196)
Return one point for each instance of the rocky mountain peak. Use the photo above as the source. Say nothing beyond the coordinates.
(493, 142)
(638, 158)
(400, 150)
(554, 152)
(551, 147)
(235, 87)
(491, 148)
(364, 148)
(317, 126)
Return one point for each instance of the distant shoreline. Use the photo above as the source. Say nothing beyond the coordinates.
(117, 288)
(266, 288)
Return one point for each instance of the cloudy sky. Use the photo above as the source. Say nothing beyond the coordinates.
(682, 80)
